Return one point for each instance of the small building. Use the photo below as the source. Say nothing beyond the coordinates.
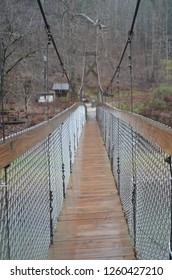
(61, 89)
(46, 97)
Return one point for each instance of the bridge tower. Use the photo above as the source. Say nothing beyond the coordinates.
(90, 68)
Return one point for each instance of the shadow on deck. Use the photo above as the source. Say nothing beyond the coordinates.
(92, 223)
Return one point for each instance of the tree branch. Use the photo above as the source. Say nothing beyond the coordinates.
(65, 4)
(20, 59)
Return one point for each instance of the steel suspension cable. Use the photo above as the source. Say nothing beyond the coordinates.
(51, 38)
(130, 35)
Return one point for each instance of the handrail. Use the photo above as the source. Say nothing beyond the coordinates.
(17, 145)
(154, 131)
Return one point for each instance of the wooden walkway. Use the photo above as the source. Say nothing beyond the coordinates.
(92, 224)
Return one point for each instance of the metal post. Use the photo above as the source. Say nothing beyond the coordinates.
(1, 86)
(112, 144)
(47, 83)
(171, 209)
(74, 145)
(169, 161)
(7, 213)
(63, 165)
(27, 85)
(50, 192)
(118, 89)
(118, 159)
(70, 150)
(110, 137)
(70, 155)
(104, 123)
(134, 185)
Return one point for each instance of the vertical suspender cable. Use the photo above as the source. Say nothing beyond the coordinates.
(1, 86)
(131, 74)
(118, 88)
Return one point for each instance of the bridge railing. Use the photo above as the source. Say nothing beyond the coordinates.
(139, 150)
(35, 167)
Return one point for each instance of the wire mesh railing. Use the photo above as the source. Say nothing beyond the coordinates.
(33, 186)
(143, 177)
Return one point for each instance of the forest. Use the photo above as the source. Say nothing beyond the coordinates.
(80, 26)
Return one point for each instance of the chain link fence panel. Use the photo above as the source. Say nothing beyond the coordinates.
(32, 191)
(144, 184)
(152, 201)
(28, 204)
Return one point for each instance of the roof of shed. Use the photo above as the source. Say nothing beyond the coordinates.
(60, 86)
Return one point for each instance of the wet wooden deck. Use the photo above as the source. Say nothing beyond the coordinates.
(92, 224)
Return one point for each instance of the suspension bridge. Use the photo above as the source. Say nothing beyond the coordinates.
(90, 183)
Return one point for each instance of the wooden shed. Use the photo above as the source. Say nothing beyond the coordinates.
(61, 89)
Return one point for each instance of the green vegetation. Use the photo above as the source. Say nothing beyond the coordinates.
(91, 95)
(151, 105)
(125, 106)
(157, 109)
(163, 89)
(167, 64)
(154, 103)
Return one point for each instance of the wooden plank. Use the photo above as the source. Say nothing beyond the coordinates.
(155, 132)
(18, 145)
(87, 216)
(88, 253)
(99, 243)
(92, 223)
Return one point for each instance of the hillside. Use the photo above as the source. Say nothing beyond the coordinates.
(78, 27)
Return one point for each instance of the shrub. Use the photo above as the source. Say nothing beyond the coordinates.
(163, 89)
